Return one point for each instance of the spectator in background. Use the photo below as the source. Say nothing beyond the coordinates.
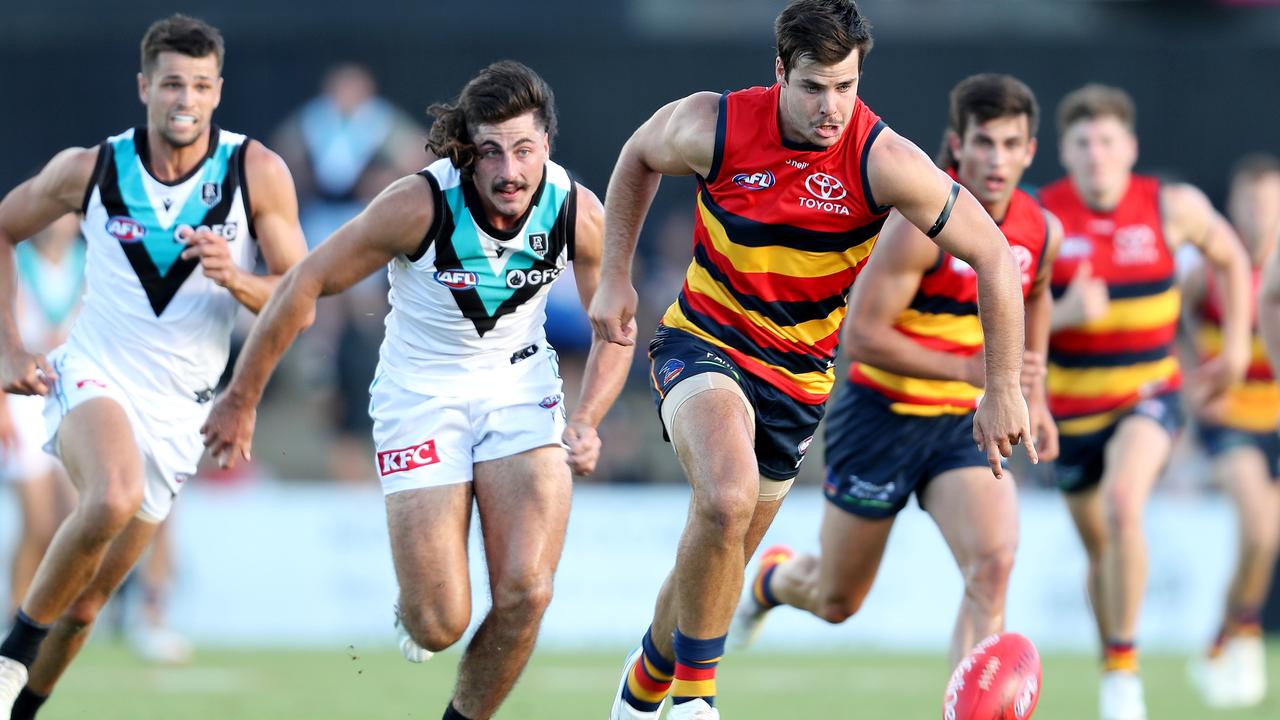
(344, 146)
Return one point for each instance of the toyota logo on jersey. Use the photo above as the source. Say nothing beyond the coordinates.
(825, 187)
(394, 461)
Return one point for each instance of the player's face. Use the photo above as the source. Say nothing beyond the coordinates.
(817, 101)
(1254, 207)
(510, 158)
(181, 93)
(992, 156)
(1099, 154)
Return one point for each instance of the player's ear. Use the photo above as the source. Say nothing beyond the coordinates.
(953, 142)
(142, 88)
(217, 87)
(1031, 152)
(779, 71)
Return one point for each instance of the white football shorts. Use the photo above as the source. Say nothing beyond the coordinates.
(26, 460)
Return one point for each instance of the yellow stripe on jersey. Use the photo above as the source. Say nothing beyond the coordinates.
(902, 408)
(1252, 406)
(808, 333)
(961, 329)
(1137, 314)
(922, 388)
(779, 259)
(1109, 381)
(1211, 343)
(817, 383)
(1087, 424)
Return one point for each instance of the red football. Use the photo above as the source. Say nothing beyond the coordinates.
(999, 680)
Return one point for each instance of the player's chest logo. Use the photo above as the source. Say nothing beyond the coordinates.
(1135, 245)
(824, 193)
(761, 180)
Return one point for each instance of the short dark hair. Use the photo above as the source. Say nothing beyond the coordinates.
(504, 90)
(181, 34)
(1255, 166)
(979, 98)
(1096, 101)
(825, 31)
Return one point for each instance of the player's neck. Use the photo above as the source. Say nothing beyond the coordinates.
(1104, 199)
(168, 163)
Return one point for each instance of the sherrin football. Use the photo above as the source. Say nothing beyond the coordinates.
(998, 680)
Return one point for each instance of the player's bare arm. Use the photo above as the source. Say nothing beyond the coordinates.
(903, 176)
(1189, 217)
(678, 140)
(394, 224)
(1039, 319)
(58, 189)
(1269, 310)
(607, 363)
(883, 291)
(274, 205)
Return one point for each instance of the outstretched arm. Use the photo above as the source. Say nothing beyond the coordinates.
(57, 190)
(678, 140)
(904, 177)
(394, 224)
(608, 363)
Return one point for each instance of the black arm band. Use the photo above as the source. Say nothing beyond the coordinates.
(945, 215)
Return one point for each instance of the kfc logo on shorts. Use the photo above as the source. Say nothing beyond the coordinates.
(671, 370)
(80, 384)
(549, 402)
(410, 458)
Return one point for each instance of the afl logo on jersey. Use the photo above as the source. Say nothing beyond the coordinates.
(457, 279)
(125, 229)
(762, 180)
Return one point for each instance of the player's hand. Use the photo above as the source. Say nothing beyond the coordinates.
(584, 447)
(25, 373)
(228, 433)
(613, 311)
(1000, 423)
(8, 429)
(214, 254)
(1213, 379)
(1044, 431)
(1085, 300)
(1034, 370)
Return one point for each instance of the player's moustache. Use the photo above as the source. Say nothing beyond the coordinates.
(506, 186)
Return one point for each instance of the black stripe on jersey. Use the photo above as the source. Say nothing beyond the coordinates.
(870, 199)
(99, 167)
(143, 148)
(793, 362)
(438, 211)
(722, 127)
(471, 197)
(239, 161)
(1126, 291)
(941, 304)
(749, 233)
(781, 312)
(567, 220)
(1109, 359)
(160, 289)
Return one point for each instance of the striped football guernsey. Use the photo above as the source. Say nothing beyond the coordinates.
(781, 232)
(943, 316)
(1254, 404)
(1100, 370)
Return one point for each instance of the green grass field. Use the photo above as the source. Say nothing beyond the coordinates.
(109, 684)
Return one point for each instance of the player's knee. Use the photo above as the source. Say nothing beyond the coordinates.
(435, 629)
(986, 577)
(111, 510)
(727, 510)
(836, 608)
(1123, 510)
(526, 595)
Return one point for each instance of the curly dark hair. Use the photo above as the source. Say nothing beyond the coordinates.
(502, 91)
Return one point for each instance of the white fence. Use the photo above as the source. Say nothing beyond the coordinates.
(296, 564)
